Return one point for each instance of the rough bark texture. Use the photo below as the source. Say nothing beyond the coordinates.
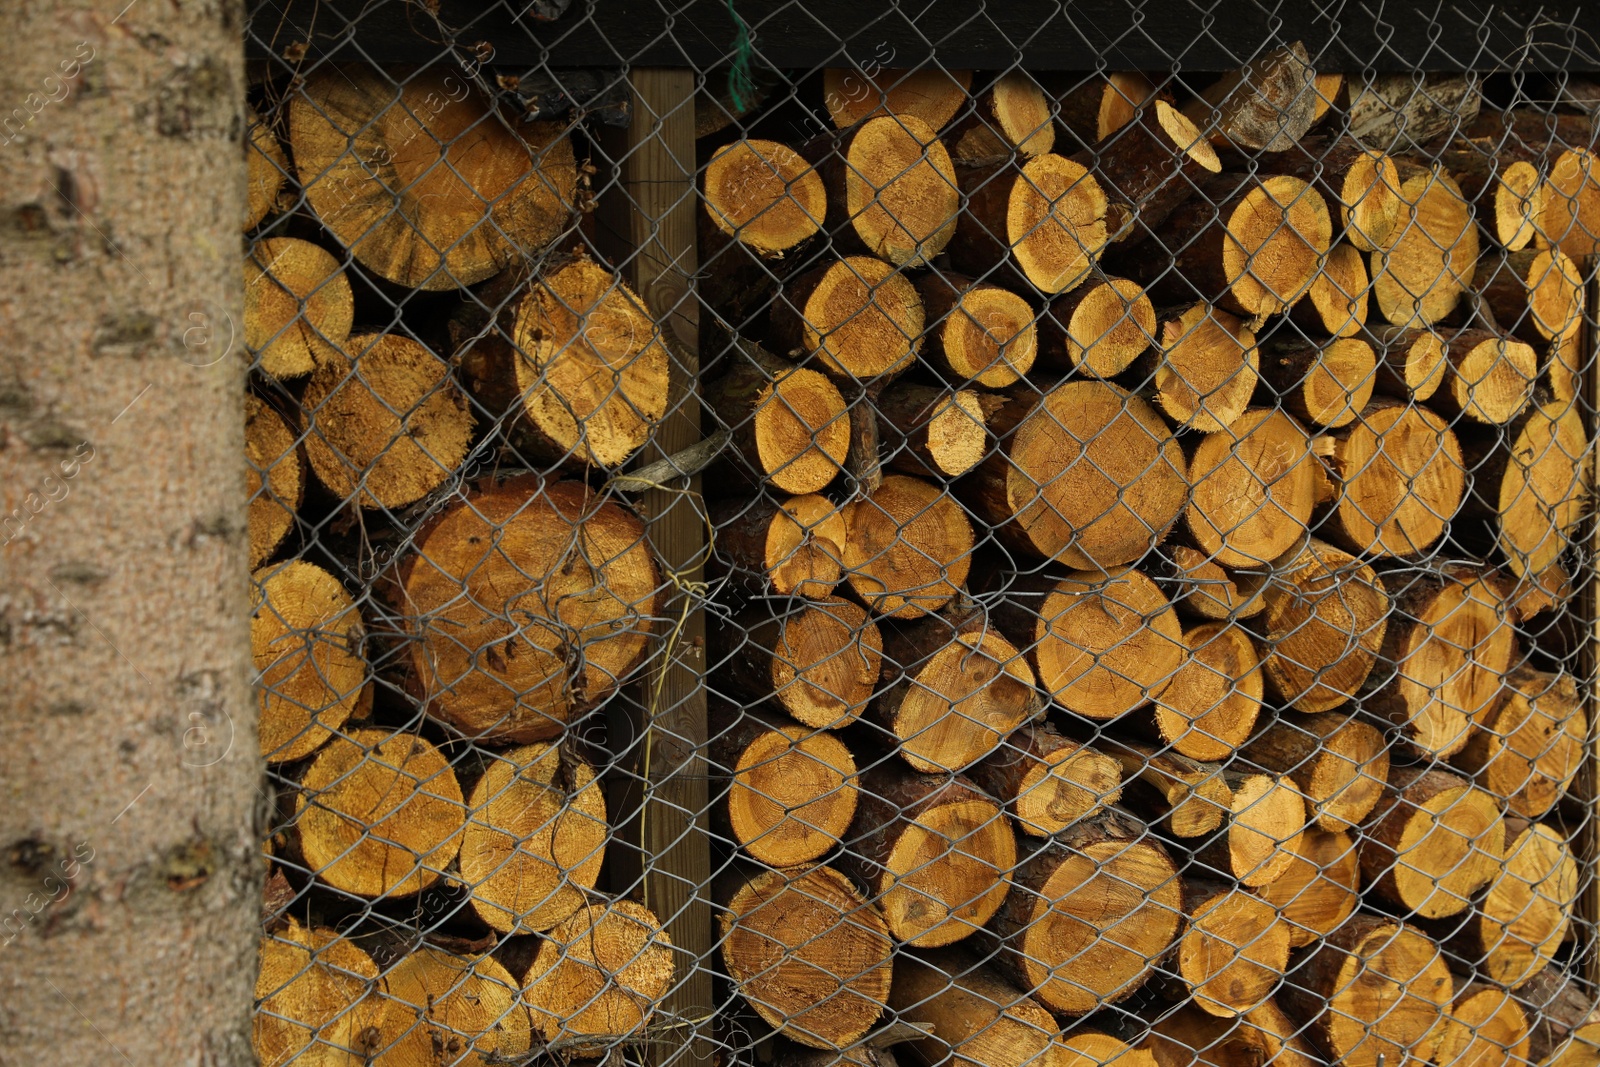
(156, 941)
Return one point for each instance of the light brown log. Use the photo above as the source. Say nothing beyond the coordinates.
(385, 423)
(1192, 798)
(1234, 951)
(1420, 279)
(1485, 1027)
(1087, 1047)
(275, 477)
(1209, 708)
(1319, 890)
(1563, 148)
(908, 548)
(980, 332)
(1451, 644)
(1211, 592)
(1325, 619)
(765, 196)
(934, 853)
(427, 185)
(1331, 96)
(784, 546)
(1490, 377)
(306, 638)
(857, 316)
(1150, 167)
(789, 423)
(1336, 303)
(1206, 369)
(1045, 217)
(1266, 106)
(1401, 112)
(972, 1016)
(1189, 1037)
(953, 690)
(1324, 382)
(1531, 747)
(598, 977)
(1254, 488)
(1100, 327)
(1360, 184)
(1011, 115)
(931, 94)
(314, 1002)
(1564, 364)
(1520, 921)
(1432, 842)
(266, 169)
(1266, 819)
(807, 952)
(1086, 474)
(1101, 104)
(1535, 296)
(931, 432)
(298, 306)
(378, 814)
(791, 789)
(892, 182)
(1509, 194)
(1091, 912)
(438, 1007)
(1046, 781)
(820, 661)
(1534, 480)
(1411, 363)
(1375, 987)
(526, 603)
(1339, 763)
(1566, 1021)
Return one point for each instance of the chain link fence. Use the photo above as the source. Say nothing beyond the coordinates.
(867, 560)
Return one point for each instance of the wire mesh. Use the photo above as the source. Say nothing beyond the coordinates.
(1120, 588)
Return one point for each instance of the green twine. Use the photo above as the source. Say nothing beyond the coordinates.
(741, 84)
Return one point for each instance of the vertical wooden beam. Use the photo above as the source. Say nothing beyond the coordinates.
(658, 180)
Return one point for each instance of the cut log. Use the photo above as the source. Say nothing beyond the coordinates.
(385, 423)
(1411, 363)
(1484, 1028)
(1519, 923)
(1534, 296)
(1531, 747)
(1432, 842)
(1151, 166)
(1266, 820)
(789, 423)
(1086, 474)
(1319, 890)
(275, 479)
(1206, 369)
(981, 333)
(1324, 382)
(1336, 303)
(1339, 763)
(1101, 643)
(1011, 115)
(306, 638)
(953, 691)
(430, 188)
(1254, 489)
(1491, 377)
(313, 1002)
(1235, 950)
(857, 316)
(1361, 184)
(1046, 781)
(1331, 96)
(1090, 1048)
(535, 838)
(931, 94)
(1562, 147)
(1211, 704)
(1266, 106)
(1192, 798)
(765, 196)
(820, 661)
(1566, 1021)
(1420, 279)
(442, 1008)
(792, 789)
(1209, 591)
(298, 306)
(1564, 366)
(908, 549)
(1102, 326)
(266, 170)
(931, 432)
(807, 952)
(378, 814)
(1092, 911)
(971, 1017)
(1534, 479)
(1262, 1035)
(1045, 217)
(1101, 104)
(935, 853)
(1325, 619)
(1450, 643)
(527, 602)
(598, 977)
(1402, 112)
(786, 546)
(893, 184)
(1509, 194)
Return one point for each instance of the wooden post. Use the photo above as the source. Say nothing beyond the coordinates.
(658, 181)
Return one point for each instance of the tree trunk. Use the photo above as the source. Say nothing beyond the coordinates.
(297, 306)
(1149, 169)
(1205, 589)
(1266, 106)
(1100, 327)
(820, 661)
(1011, 115)
(1210, 707)
(1099, 105)
(891, 189)
(929, 432)
(763, 195)
(1046, 781)
(1339, 763)
(1266, 820)
(908, 547)
(440, 1007)
(1325, 619)
(1401, 112)
(1260, 1036)
(1337, 302)
(1531, 747)
(1509, 194)
(1206, 367)
(1192, 798)
(305, 638)
(931, 94)
(1420, 279)
(127, 601)
(1360, 184)
(1535, 296)
(856, 316)
(974, 1017)
(1490, 377)
(1234, 952)
(1561, 147)
(1043, 219)
(1411, 363)
(1320, 889)
(785, 547)
(788, 423)
(277, 477)
(980, 333)
(1254, 489)
(1327, 383)
(317, 998)
(1433, 841)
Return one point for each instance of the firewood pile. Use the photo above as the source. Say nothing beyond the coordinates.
(1143, 559)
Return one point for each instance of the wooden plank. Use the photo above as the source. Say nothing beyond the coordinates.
(658, 184)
